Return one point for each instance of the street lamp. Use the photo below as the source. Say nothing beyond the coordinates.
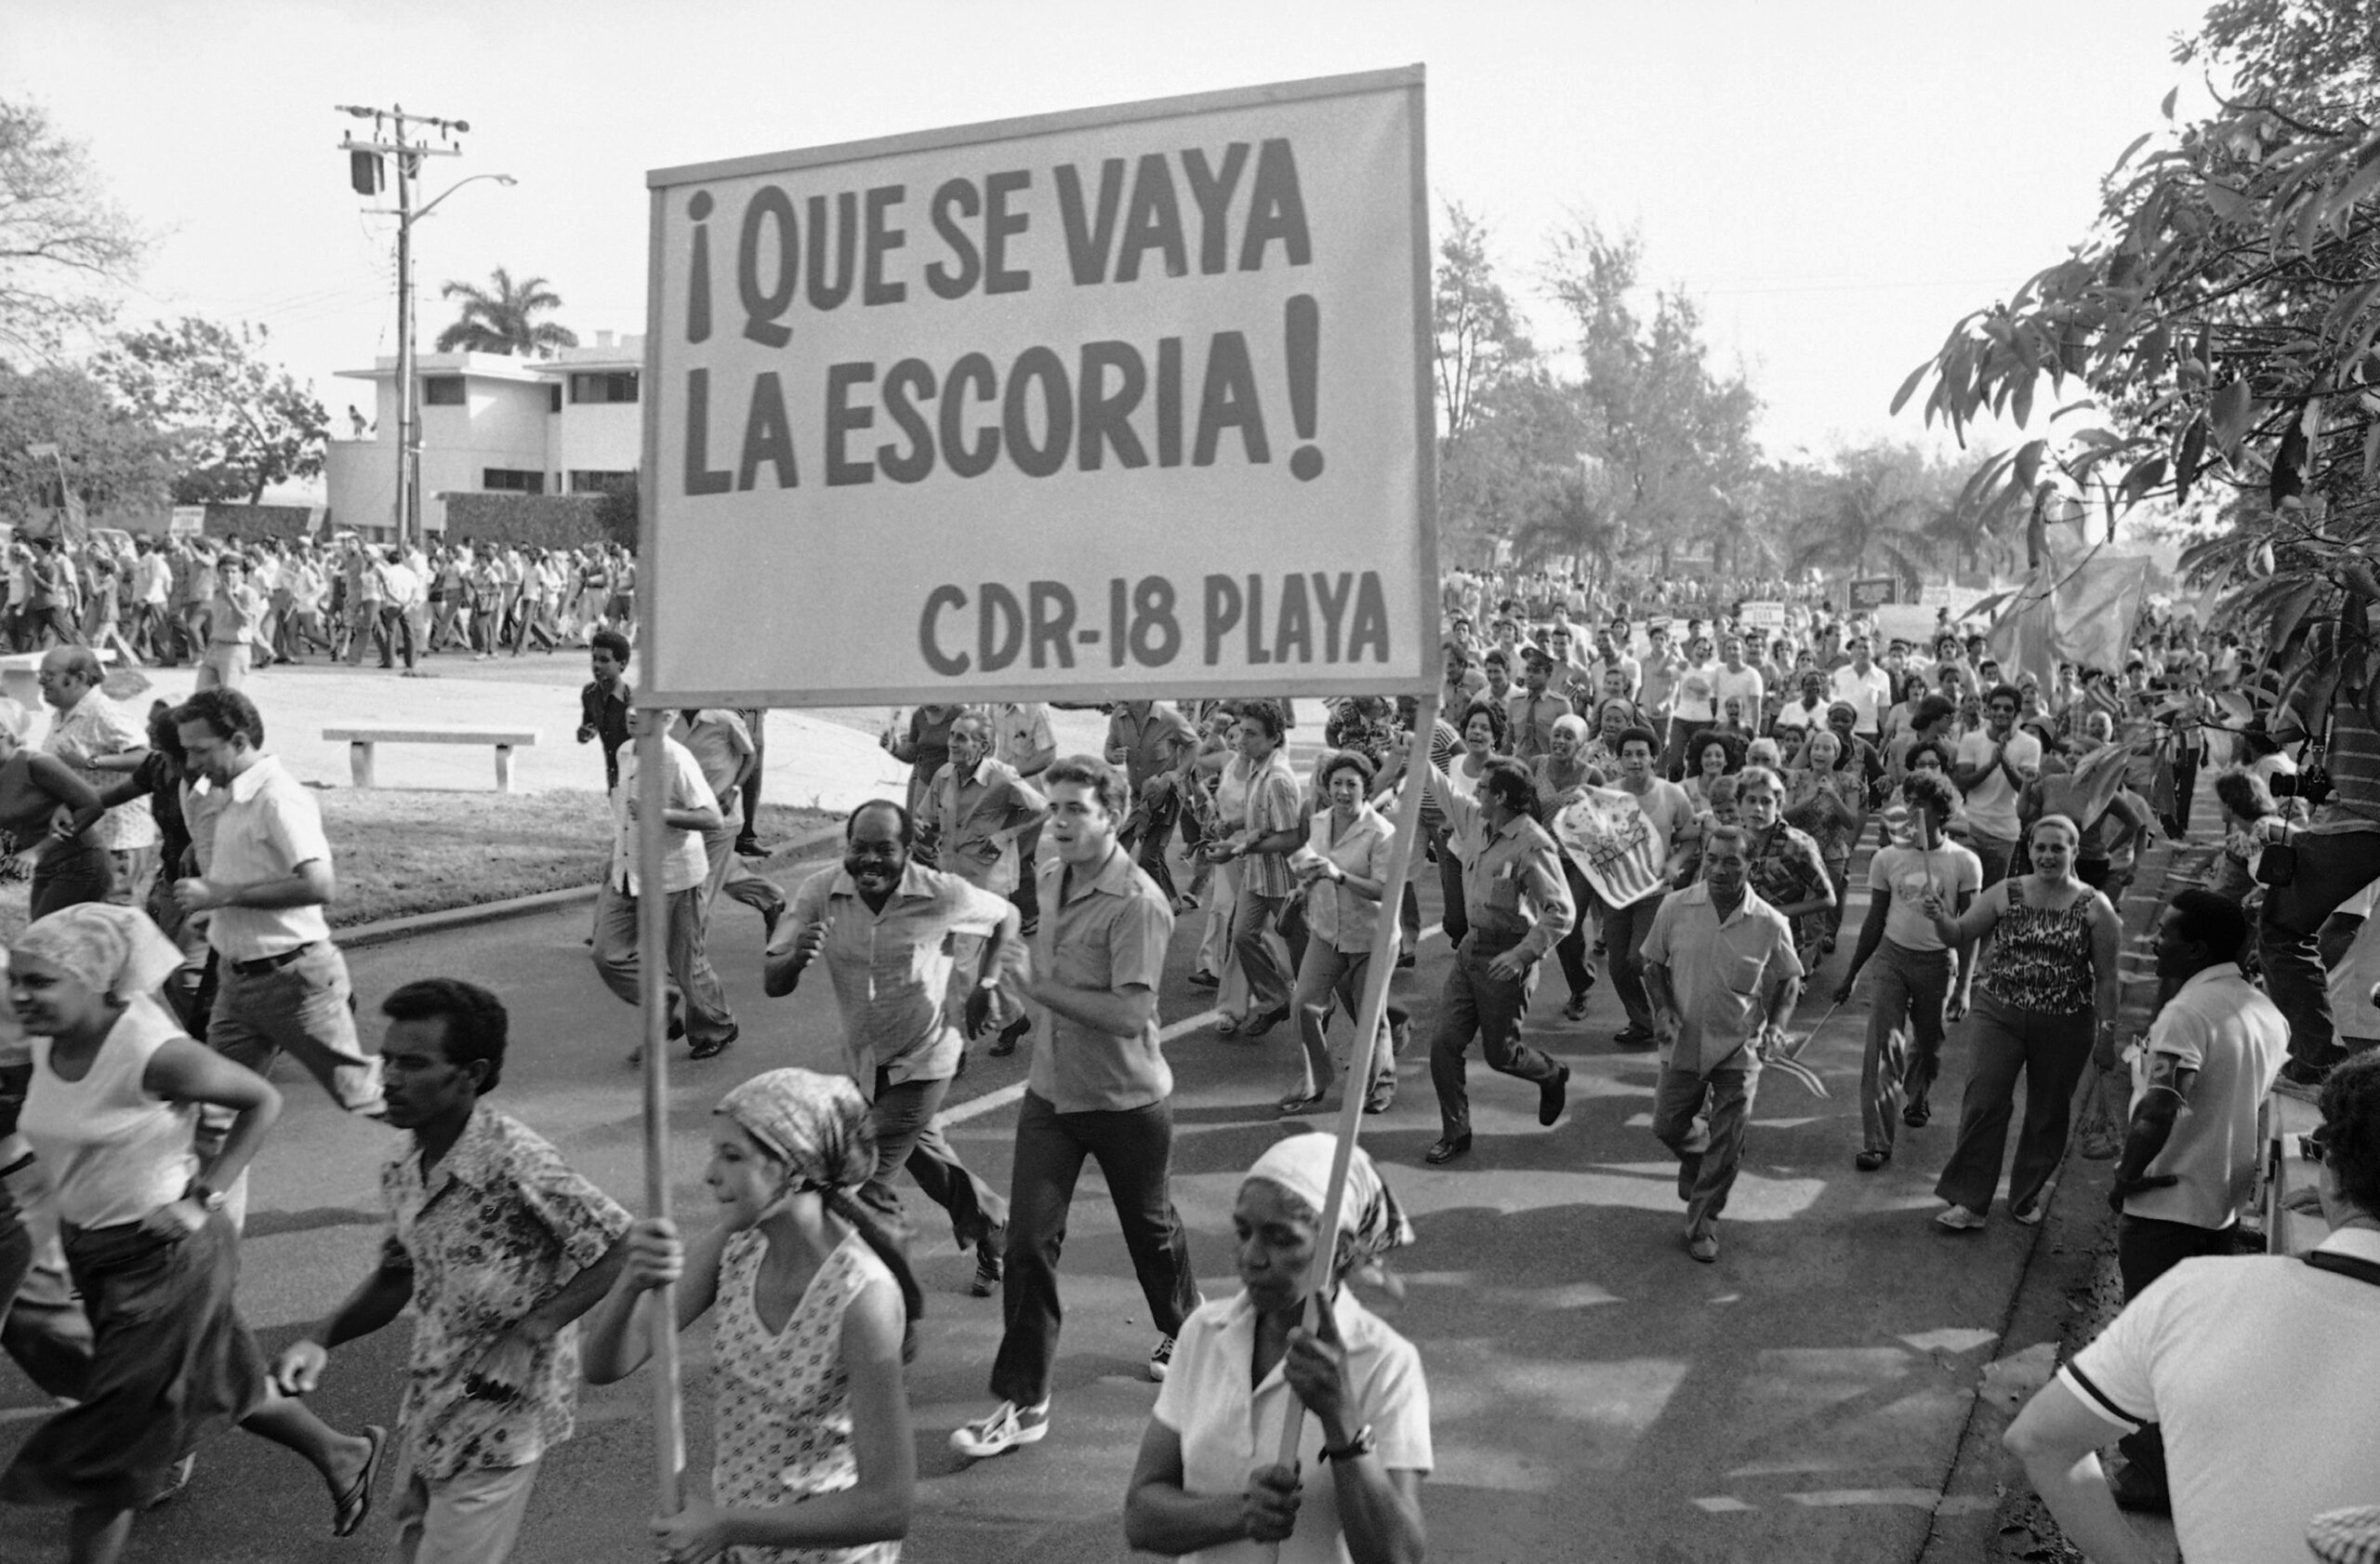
(365, 157)
(408, 414)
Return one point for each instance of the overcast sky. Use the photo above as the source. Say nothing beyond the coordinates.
(1836, 181)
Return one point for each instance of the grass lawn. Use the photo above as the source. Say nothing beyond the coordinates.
(400, 851)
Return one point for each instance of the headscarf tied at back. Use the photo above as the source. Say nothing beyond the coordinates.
(109, 950)
(1370, 1222)
(817, 1125)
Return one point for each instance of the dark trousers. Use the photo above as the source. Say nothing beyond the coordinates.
(906, 1137)
(1904, 1036)
(1134, 1149)
(1478, 1003)
(755, 722)
(1147, 835)
(2185, 784)
(396, 629)
(1570, 950)
(1624, 928)
(2049, 1050)
(1450, 886)
(1707, 1159)
(2146, 1247)
(2294, 914)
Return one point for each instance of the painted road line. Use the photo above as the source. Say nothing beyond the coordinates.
(975, 1108)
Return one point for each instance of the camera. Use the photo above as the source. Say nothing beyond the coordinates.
(2313, 785)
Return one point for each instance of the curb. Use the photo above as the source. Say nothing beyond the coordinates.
(389, 931)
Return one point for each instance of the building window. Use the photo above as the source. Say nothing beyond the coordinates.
(583, 481)
(554, 397)
(613, 386)
(442, 390)
(511, 480)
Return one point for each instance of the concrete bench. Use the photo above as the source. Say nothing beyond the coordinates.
(359, 741)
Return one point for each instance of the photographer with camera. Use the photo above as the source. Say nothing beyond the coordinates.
(2307, 870)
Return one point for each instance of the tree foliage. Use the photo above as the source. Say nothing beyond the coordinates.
(238, 423)
(112, 458)
(502, 318)
(64, 247)
(1888, 507)
(2215, 329)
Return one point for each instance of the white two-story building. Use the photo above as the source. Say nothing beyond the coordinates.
(493, 424)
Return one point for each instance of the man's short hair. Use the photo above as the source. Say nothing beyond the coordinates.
(1636, 735)
(1759, 777)
(902, 818)
(2014, 695)
(229, 712)
(1933, 710)
(81, 661)
(1107, 784)
(610, 641)
(1497, 657)
(1346, 759)
(1923, 790)
(1740, 837)
(2244, 794)
(2350, 1103)
(2213, 920)
(477, 1024)
(1508, 780)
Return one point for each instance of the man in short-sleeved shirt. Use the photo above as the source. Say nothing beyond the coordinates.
(1990, 770)
(499, 1247)
(1720, 967)
(888, 928)
(1099, 1087)
(283, 984)
(689, 811)
(1867, 687)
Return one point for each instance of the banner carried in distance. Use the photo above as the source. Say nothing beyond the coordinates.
(1133, 400)
(1864, 592)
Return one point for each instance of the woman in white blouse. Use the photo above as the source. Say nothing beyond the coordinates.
(1341, 872)
(1208, 1486)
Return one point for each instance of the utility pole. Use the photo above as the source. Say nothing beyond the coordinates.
(364, 163)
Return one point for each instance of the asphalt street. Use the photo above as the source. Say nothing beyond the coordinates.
(1595, 1393)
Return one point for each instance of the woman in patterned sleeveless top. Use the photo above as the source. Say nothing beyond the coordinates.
(2052, 973)
(814, 1462)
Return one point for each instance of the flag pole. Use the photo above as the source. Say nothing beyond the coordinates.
(653, 941)
(1367, 1032)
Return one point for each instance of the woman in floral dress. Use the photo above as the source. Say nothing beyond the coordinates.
(813, 1463)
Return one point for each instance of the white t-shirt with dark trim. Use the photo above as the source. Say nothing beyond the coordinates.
(2264, 1374)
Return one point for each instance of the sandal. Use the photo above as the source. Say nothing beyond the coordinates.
(1299, 1101)
(354, 1506)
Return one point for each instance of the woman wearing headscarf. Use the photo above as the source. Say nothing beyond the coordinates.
(114, 1098)
(38, 796)
(814, 1462)
(1206, 1486)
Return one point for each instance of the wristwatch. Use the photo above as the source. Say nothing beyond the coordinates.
(210, 1200)
(1360, 1443)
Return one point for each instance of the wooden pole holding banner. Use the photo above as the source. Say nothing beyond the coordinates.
(652, 970)
(1368, 1030)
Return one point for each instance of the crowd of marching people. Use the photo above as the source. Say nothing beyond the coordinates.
(1674, 807)
(226, 607)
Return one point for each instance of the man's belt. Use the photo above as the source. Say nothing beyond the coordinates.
(263, 964)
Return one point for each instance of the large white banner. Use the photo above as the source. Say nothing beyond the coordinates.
(1129, 402)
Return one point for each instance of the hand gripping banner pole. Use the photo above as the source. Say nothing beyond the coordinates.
(653, 944)
(1367, 1032)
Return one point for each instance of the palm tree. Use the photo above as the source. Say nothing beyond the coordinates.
(500, 318)
(1875, 508)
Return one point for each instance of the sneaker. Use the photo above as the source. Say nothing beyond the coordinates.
(1577, 1009)
(1959, 1219)
(1161, 1359)
(2031, 1216)
(1009, 1427)
(1702, 1247)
